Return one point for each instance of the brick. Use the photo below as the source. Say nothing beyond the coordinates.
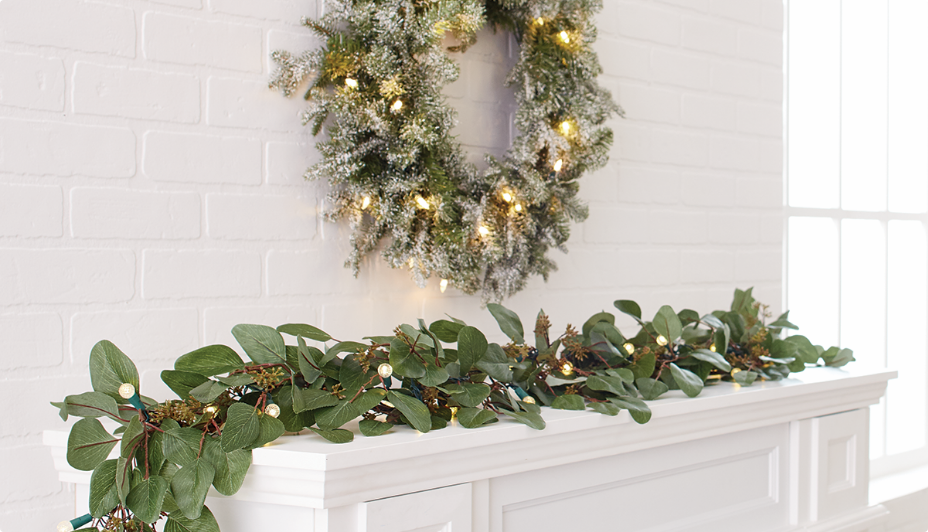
(710, 35)
(650, 268)
(482, 125)
(772, 14)
(648, 184)
(761, 45)
(31, 340)
(192, 4)
(696, 5)
(286, 10)
(42, 512)
(184, 274)
(709, 112)
(740, 79)
(30, 211)
(208, 159)
(760, 192)
(32, 81)
(191, 41)
(249, 217)
(143, 335)
(625, 59)
(302, 273)
(601, 185)
(612, 224)
(754, 266)
(643, 102)
(760, 119)
(132, 93)
(66, 276)
(28, 412)
(645, 23)
(734, 153)
(731, 228)
(683, 148)
(250, 104)
(287, 162)
(707, 266)
(38, 482)
(69, 24)
(741, 10)
(771, 84)
(292, 41)
(771, 229)
(120, 213)
(632, 141)
(708, 190)
(771, 156)
(55, 148)
(681, 69)
(218, 321)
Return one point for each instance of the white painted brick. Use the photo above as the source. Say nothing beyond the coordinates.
(623, 58)
(648, 184)
(754, 266)
(30, 211)
(601, 185)
(250, 104)
(302, 273)
(708, 190)
(31, 81)
(31, 340)
(40, 481)
(192, 41)
(41, 512)
(650, 268)
(191, 157)
(192, 4)
(185, 274)
(761, 45)
(646, 23)
(33, 147)
(734, 153)
(740, 79)
(771, 156)
(729, 228)
(682, 69)
(218, 322)
(643, 102)
(288, 161)
(123, 92)
(696, 5)
(771, 84)
(66, 276)
(286, 10)
(143, 335)
(129, 214)
(69, 24)
(772, 14)
(483, 125)
(28, 412)
(679, 147)
(710, 35)
(760, 192)
(771, 229)
(249, 217)
(632, 141)
(610, 224)
(741, 10)
(760, 119)
(291, 41)
(709, 112)
(705, 266)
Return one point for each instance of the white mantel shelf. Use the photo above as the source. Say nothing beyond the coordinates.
(305, 471)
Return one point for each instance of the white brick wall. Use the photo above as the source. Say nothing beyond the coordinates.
(151, 190)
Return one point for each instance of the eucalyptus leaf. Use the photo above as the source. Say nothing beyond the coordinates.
(638, 409)
(91, 404)
(332, 417)
(405, 363)
(414, 410)
(472, 346)
(605, 383)
(110, 368)
(123, 479)
(146, 497)
(311, 399)
(569, 402)
(182, 445)
(713, 358)
(133, 435)
(434, 375)
(241, 429)
(745, 378)
(210, 360)
(310, 360)
(369, 399)
(629, 307)
(269, 429)
(667, 323)
(182, 382)
(352, 376)
(418, 338)
(177, 522)
(468, 395)
(644, 366)
(595, 319)
(688, 381)
(89, 444)
(531, 419)
(190, 486)
(293, 422)
(650, 389)
(508, 321)
(471, 418)
(496, 364)
(306, 331)
(103, 494)
(370, 427)
(334, 436)
(344, 347)
(608, 409)
(261, 343)
(446, 331)
(209, 391)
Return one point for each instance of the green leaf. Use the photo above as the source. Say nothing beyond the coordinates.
(123, 478)
(242, 427)
(721, 339)
(783, 322)
(205, 523)
(472, 345)
(417, 337)
(344, 347)
(841, 358)
(744, 378)
(468, 395)
(240, 379)
(332, 417)
(369, 399)
(471, 418)
(208, 392)
(541, 340)
(334, 436)
(806, 350)
(311, 399)
(569, 402)
(91, 404)
(210, 360)
(131, 437)
(743, 302)
(261, 343)
(306, 331)
(596, 319)
(446, 331)
(89, 444)
(508, 321)
(531, 419)
(292, 421)
(269, 429)
(190, 485)
(608, 409)
(604, 383)
(103, 495)
(629, 307)
(182, 382)
(667, 323)
(713, 358)
(110, 368)
(352, 376)
(623, 373)
(370, 427)
(434, 375)
(155, 451)
(644, 367)
(636, 407)
(405, 363)
(688, 381)
(182, 445)
(146, 498)
(496, 364)
(415, 410)
(310, 360)
(650, 389)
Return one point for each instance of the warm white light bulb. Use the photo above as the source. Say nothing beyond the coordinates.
(443, 285)
(385, 370)
(567, 368)
(483, 230)
(211, 410)
(366, 202)
(126, 390)
(397, 105)
(423, 204)
(529, 399)
(712, 348)
(518, 207)
(272, 410)
(65, 526)
(540, 21)
(629, 347)
(507, 197)
(559, 163)
(565, 127)
(661, 340)
(565, 37)
(351, 82)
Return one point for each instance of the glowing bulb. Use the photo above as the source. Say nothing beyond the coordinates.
(385, 370)
(518, 207)
(443, 285)
(454, 412)
(735, 370)
(507, 197)
(629, 347)
(366, 202)
(712, 348)
(423, 204)
(483, 230)
(272, 410)
(661, 340)
(126, 390)
(411, 262)
(540, 21)
(397, 105)
(211, 410)
(565, 37)
(530, 400)
(565, 127)
(559, 164)
(567, 368)
(65, 526)
(351, 82)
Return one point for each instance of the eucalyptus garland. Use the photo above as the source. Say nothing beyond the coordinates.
(426, 377)
(397, 173)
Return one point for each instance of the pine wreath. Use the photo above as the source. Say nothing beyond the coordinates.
(396, 172)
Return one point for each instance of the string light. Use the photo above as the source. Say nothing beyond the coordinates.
(518, 207)
(712, 348)
(397, 105)
(366, 202)
(567, 368)
(423, 204)
(443, 285)
(565, 37)
(126, 390)
(559, 164)
(507, 197)
(565, 127)
(483, 230)
(351, 83)
(540, 21)
(211, 410)
(74, 524)
(272, 410)
(385, 371)
(661, 340)
(530, 400)
(629, 347)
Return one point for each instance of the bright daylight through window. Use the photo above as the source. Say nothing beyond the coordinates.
(857, 198)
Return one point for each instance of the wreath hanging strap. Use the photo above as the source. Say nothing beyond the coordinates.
(396, 172)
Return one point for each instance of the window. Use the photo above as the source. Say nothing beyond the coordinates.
(857, 199)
